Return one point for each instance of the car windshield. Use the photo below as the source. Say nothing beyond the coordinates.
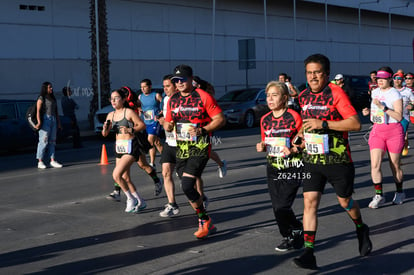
(239, 95)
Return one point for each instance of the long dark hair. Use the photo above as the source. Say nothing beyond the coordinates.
(44, 93)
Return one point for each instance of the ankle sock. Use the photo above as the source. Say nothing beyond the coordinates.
(378, 188)
(399, 187)
(154, 176)
(201, 213)
(358, 222)
(309, 237)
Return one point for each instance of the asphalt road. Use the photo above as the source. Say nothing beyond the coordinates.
(57, 221)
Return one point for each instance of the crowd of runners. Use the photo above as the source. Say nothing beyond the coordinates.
(308, 127)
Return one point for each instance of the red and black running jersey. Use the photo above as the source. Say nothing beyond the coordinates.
(332, 103)
(197, 109)
(285, 126)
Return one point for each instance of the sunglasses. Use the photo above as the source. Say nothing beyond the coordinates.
(398, 78)
(408, 78)
(182, 80)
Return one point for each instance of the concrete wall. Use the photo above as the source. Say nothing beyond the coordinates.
(148, 38)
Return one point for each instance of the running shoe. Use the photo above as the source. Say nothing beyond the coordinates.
(131, 204)
(158, 187)
(306, 260)
(206, 201)
(376, 202)
(222, 171)
(205, 228)
(55, 164)
(141, 207)
(365, 244)
(114, 196)
(285, 245)
(398, 198)
(41, 165)
(169, 211)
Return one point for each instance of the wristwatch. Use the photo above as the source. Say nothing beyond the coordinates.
(385, 109)
(325, 125)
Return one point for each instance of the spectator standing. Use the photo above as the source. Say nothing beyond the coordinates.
(68, 107)
(48, 123)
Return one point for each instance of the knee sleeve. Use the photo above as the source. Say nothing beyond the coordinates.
(189, 190)
(350, 205)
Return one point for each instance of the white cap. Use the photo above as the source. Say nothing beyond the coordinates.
(338, 76)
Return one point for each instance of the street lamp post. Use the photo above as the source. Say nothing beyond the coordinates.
(98, 59)
(390, 29)
(359, 30)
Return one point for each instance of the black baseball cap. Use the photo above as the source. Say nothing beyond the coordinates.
(182, 71)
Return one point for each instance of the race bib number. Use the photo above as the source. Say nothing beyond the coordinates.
(149, 115)
(182, 132)
(378, 116)
(123, 146)
(171, 138)
(275, 146)
(316, 144)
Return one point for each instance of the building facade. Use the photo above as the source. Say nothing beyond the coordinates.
(49, 40)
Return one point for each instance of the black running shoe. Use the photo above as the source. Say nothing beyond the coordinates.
(306, 260)
(365, 244)
(285, 245)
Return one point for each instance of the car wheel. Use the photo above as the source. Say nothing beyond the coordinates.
(249, 119)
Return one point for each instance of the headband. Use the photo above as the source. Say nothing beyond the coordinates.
(383, 74)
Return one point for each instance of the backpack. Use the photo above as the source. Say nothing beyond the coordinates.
(31, 116)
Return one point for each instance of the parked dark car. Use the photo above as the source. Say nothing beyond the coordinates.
(358, 90)
(15, 132)
(244, 107)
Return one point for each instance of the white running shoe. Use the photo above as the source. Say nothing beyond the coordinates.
(41, 165)
(131, 205)
(398, 198)
(376, 202)
(169, 211)
(55, 164)
(222, 171)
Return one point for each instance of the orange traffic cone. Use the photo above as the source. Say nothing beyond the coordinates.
(104, 156)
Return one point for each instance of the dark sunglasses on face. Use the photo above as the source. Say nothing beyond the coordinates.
(398, 78)
(182, 80)
(408, 78)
